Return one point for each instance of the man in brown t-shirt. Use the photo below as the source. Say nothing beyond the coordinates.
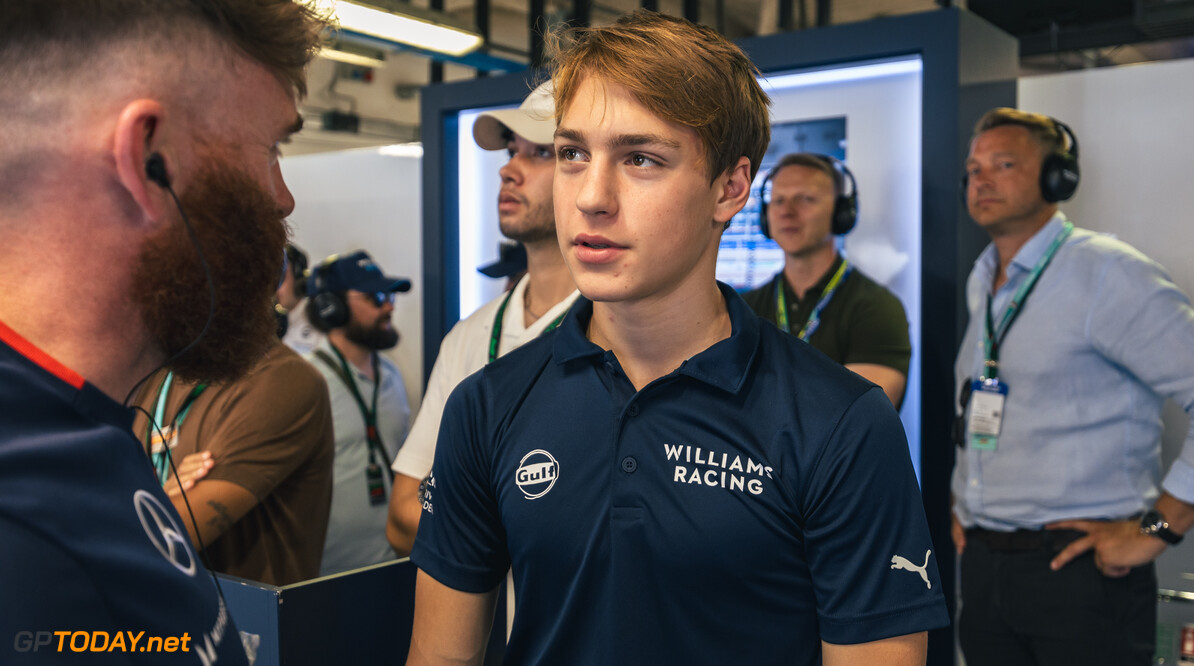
(261, 503)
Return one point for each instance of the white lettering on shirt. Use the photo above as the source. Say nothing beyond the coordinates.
(722, 474)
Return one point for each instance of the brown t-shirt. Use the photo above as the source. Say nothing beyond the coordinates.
(270, 433)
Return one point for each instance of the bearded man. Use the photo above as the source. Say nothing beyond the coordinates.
(141, 209)
(351, 301)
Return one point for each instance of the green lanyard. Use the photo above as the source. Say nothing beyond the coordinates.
(495, 336)
(372, 435)
(161, 459)
(814, 319)
(992, 338)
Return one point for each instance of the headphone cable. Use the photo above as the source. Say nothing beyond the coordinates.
(201, 548)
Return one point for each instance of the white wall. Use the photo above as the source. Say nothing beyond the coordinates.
(1135, 153)
(368, 199)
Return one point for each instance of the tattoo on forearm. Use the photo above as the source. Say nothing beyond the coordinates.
(222, 520)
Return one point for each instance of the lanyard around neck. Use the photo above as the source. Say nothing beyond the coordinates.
(814, 319)
(161, 458)
(369, 414)
(992, 337)
(495, 336)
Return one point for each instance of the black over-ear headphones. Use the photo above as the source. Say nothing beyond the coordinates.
(327, 309)
(845, 205)
(1059, 171)
(297, 263)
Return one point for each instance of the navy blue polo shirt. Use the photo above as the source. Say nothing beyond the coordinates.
(754, 502)
(90, 545)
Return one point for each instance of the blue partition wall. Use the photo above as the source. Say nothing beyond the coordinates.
(913, 231)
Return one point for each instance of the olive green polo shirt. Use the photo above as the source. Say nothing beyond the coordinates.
(863, 323)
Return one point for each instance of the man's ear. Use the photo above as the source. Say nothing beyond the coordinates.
(136, 139)
(734, 186)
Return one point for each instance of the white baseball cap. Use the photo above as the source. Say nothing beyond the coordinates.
(533, 120)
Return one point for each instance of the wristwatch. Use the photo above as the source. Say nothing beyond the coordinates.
(1153, 523)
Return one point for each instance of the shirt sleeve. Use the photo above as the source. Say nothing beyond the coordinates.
(461, 542)
(867, 542)
(1144, 323)
(396, 413)
(267, 425)
(418, 451)
(879, 332)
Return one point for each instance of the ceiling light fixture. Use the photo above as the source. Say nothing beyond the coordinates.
(339, 54)
(401, 23)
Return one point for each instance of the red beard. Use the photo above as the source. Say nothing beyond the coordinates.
(242, 234)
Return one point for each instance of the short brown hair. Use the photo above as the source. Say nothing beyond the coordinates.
(48, 35)
(816, 162)
(682, 72)
(1042, 128)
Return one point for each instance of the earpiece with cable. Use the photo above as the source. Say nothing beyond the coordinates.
(155, 171)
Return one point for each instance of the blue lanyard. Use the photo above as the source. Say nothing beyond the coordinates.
(814, 319)
(992, 337)
(161, 458)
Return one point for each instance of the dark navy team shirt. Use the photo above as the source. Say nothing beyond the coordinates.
(756, 501)
(90, 546)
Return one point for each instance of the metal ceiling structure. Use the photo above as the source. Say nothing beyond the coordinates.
(1054, 35)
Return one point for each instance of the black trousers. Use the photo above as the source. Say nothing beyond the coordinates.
(1017, 612)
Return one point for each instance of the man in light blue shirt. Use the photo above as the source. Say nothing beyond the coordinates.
(1075, 340)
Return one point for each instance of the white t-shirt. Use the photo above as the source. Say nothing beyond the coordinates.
(465, 350)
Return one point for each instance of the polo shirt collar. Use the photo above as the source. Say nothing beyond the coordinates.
(725, 365)
(1032, 251)
(325, 345)
(817, 289)
(1025, 259)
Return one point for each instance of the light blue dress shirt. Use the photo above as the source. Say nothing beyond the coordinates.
(1102, 340)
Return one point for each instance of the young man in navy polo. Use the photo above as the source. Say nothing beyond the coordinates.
(670, 480)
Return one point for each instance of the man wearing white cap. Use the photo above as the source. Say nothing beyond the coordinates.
(535, 305)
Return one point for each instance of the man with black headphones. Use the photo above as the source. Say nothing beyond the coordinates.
(808, 201)
(351, 302)
(1074, 342)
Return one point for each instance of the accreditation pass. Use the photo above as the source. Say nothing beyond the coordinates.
(986, 413)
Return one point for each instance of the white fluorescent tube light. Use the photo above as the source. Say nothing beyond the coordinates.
(350, 58)
(843, 74)
(401, 27)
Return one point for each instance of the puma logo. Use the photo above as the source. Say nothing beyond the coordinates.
(898, 562)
